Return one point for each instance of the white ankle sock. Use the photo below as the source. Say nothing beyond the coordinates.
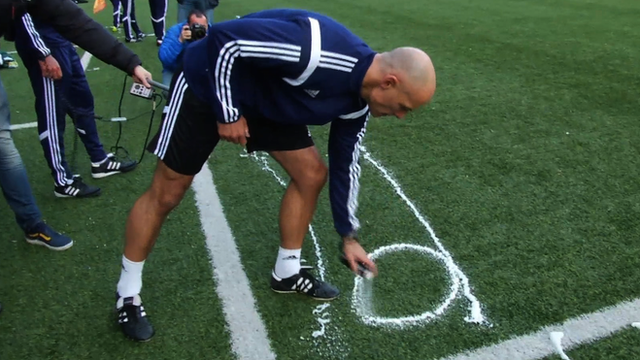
(288, 262)
(130, 283)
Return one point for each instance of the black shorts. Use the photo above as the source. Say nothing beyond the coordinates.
(189, 132)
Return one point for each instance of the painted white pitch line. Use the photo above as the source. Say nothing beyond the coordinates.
(249, 339)
(15, 52)
(579, 330)
(86, 58)
(23, 126)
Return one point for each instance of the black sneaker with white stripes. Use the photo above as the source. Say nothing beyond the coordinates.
(77, 189)
(133, 319)
(304, 283)
(111, 167)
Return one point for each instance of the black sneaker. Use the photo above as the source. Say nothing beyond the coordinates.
(133, 319)
(111, 167)
(77, 189)
(303, 282)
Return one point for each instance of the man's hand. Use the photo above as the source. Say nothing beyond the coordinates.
(185, 34)
(50, 68)
(140, 75)
(236, 132)
(354, 253)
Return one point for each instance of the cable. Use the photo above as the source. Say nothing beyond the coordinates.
(74, 112)
(153, 111)
(157, 100)
(114, 149)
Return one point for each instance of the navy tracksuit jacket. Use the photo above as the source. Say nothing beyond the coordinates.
(291, 66)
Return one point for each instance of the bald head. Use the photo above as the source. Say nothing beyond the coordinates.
(412, 64)
(399, 81)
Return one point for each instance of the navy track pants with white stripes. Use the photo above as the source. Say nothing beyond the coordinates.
(158, 14)
(54, 100)
(129, 22)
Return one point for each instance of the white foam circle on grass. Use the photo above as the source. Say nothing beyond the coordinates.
(361, 300)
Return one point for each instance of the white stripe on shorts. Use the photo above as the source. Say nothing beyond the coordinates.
(172, 115)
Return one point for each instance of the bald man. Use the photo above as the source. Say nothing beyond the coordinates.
(259, 81)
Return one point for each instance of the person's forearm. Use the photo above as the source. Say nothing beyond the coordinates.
(75, 25)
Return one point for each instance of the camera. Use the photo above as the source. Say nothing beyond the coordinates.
(198, 31)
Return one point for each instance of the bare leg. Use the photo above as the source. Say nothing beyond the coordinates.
(151, 209)
(308, 176)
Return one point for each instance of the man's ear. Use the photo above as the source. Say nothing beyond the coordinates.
(389, 81)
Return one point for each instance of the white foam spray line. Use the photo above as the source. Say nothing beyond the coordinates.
(457, 276)
(336, 347)
(361, 298)
(556, 340)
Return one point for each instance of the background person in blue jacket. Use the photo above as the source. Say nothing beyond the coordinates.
(68, 92)
(177, 39)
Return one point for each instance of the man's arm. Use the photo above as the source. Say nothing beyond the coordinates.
(345, 139)
(37, 48)
(75, 25)
(271, 45)
(171, 48)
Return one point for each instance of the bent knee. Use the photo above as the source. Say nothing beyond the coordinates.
(166, 199)
(168, 191)
(315, 175)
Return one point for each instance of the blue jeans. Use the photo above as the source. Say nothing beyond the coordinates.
(187, 5)
(166, 77)
(13, 175)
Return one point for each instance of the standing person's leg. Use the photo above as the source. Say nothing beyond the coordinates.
(48, 107)
(81, 109)
(187, 136)
(134, 22)
(17, 191)
(206, 7)
(158, 15)
(13, 175)
(116, 14)
(129, 34)
(166, 77)
(51, 108)
(293, 147)
(184, 8)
